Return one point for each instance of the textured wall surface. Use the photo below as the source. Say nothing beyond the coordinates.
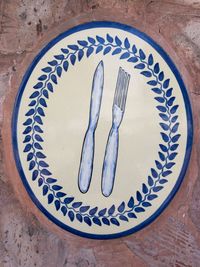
(26, 237)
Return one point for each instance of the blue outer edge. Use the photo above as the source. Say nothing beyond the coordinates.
(130, 29)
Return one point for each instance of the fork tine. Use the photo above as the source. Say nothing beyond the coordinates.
(116, 98)
(121, 89)
(125, 91)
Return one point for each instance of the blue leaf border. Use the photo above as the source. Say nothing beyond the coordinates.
(169, 124)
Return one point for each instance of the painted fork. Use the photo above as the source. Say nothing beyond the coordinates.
(111, 152)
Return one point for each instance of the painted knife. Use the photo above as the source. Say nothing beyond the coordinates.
(87, 154)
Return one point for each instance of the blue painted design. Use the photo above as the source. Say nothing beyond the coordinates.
(105, 216)
(87, 154)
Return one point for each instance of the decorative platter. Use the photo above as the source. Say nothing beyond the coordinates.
(102, 130)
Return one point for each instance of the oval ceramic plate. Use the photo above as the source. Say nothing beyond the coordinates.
(102, 130)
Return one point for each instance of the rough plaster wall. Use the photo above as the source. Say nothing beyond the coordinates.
(174, 238)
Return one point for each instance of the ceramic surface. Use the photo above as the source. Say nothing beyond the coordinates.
(102, 130)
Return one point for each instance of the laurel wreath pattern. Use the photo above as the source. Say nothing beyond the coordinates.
(169, 134)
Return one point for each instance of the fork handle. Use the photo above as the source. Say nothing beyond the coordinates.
(110, 162)
(86, 164)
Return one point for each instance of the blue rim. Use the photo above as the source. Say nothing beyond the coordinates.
(106, 24)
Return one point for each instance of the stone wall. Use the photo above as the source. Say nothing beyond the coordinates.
(26, 237)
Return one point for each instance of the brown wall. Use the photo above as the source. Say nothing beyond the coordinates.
(26, 237)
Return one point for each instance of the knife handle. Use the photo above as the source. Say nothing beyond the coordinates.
(110, 162)
(86, 164)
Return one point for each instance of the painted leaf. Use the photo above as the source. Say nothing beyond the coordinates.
(161, 156)
(166, 83)
(150, 181)
(71, 215)
(80, 54)
(79, 217)
(174, 109)
(138, 196)
(161, 76)
(157, 68)
(125, 55)
(83, 43)
(131, 215)
(59, 57)
(105, 221)
(163, 148)
(139, 66)
(158, 164)
(133, 59)
(152, 196)
(89, 51)
(166, 173)
(100, 39)
(134, 49)
(139, 209)
(64, 210)
(91, 40)
(153, 82)
(144, 188)
(118, 41)
(107, 50)
(50, 198)
(169, 92)
(154, 173)
(34, 175)
(102, 212)
(116, 51)
(57, 204)
(56, 187)
(175, 138)
(53, 63)
(65, 50)
(121, 207)
(165, 137)
(123, 218)
(96, 221)
(76, 204)
(109, 38)
(60, 194)
(84, 209)
(99, 49)
(131, 202)
(65, 65)
(114, 221)
(73, 59)
(150, 60)
(54, 78)
(111, 210)
(38, 85)
(157, 188)
(146, 73)
(146, 204)
(51, 180)
(68, 200)
(164, 126)
(73, 47)
(93, 211)
(142, 54)
(156, 90)
(87, 220)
